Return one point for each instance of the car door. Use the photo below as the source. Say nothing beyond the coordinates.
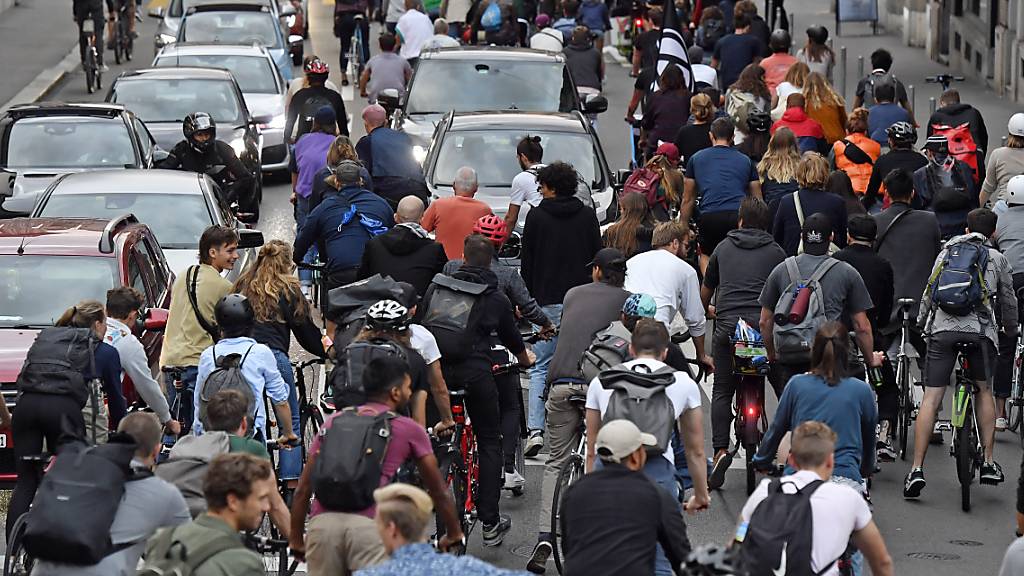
(146, 142)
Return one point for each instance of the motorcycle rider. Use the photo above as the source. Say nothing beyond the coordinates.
(200, 151)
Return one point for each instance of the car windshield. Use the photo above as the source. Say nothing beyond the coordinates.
(254, 74)
(492, 85)
(54, 142)
(231, 28)
(493, 155)
(178, 220)
(170, 100)
(34, 289)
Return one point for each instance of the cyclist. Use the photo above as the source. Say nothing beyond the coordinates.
(202, 152)
(413, 29)
(452, 218)
(946, 187)
(1004, 163)
(349, 15)
(737, 271)
(305, 103)
(308, 159)
(946, 330)
(303, 82)
(901, 154)
(881, 73)
(386, 70)
(388, 155)
(778, 64)
(529, 153)
(951, 112)
(123, 310)
(280, 310)
(90, 10)
(114, 12)
(341, 149)
(1009, 239)
(190, 326)
(584, 62)
(406, 253)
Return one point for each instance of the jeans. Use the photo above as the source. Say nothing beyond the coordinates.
(544, 350)
(509, 402)
(290, 463)
(563, 435)
(301, 212)
(182, 408)
(660, 471)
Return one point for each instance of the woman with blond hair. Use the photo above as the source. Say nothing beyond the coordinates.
(777, 168)
(696, 136)
(856, 154)
(812, 175)
(281, 310)
(631, 233)
(826, 106)
(792, 84)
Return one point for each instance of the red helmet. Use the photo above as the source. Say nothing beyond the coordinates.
(492, 228)
(316, 66)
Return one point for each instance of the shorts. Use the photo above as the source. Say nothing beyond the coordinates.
(941, 358)
(714, 227)
(338, 543)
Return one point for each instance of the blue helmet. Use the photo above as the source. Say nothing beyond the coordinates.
(640, 305)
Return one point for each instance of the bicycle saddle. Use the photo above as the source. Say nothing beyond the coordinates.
(965, 347)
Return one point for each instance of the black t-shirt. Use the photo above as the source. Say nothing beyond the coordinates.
(733, 53)
(647, 43)
(691, 139)
(645, 83)
(907, 159)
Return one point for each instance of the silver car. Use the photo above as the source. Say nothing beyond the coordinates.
(259, 79)
(177, 207)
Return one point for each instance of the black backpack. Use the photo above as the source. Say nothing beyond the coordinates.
(350, 462)
(346, 379)
(58, 361)
(453, 309)
(875, 80)
(310, 105)
(607, 351)
(714, 30)
(228, 376)
(77, 501)
(779, 534)
(948, 188)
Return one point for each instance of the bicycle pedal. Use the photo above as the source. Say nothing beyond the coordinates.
(944, 426)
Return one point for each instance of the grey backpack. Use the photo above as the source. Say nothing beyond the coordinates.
(608, 350)
(638, 395)
(228, 376)
(187, 464)
(793, 340)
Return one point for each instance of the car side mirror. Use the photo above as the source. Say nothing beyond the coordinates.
(249, 238)
(155, 320)
(595, 104)
(621, 175)
(159, 154)
(156, 12)
(7, 183)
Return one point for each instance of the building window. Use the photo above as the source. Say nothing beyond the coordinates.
(958, 8)
(957, 41)
(968, 51)
(976, 7)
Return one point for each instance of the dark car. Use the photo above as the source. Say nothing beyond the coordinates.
(39, 142)
(162, 97)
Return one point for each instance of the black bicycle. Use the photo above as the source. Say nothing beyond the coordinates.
(944, 79)
(750, 368)
(91, 58)
(17, 561)
(906, 411)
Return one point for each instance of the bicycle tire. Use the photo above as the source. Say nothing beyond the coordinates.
(310, 422)
(129, 46)
(963, 449)
(750, 450)
(17, 562)
(571, 471)
(903, 416)
(275, 564)
(90, 69)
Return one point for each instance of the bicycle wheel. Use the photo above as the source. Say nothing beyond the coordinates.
(276, 563)
(90, 69)
(129, 45)
(118, 43)
(17, 562)
(310, 422)
(571, 471)
(963, 448)
(905, 409)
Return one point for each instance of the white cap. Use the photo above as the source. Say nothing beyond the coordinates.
(1016, 124)
(620, 438)
(1015, 191)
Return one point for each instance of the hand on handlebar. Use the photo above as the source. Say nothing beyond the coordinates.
(876, 359)
(298, 548)
(696, 504)
(173, 427)
(547, 332)
(288, 440)
(451, 541)
(443, 428)
(709, 363)
(530, 358)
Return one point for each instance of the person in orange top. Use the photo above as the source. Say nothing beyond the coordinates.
(451, 219)
(846, 157)
(825, 106)
(778, 64)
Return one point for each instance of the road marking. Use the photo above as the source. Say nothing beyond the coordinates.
(348, 93)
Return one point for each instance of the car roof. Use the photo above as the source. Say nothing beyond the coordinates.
(58, 236)
(105, 109)
(222, 6)
(129, 181)
(179, 73)
(229, 3)
(509, 120)
(491, 53)
(206, 49)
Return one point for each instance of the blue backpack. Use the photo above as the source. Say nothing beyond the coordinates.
(491, 18)
(958, 285)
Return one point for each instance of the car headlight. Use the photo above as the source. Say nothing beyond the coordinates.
(277, 122)
(165, 39)
(419, 153)
(238, 145)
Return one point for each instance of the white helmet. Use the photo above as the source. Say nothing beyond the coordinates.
(387, 315)
(1015, 191)
(1016, 125)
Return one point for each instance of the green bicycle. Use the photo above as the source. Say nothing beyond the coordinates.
(966, 448)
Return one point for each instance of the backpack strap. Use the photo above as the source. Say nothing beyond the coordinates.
(822, 269)
(192, 279)
(209, 549)
(794, 270)
(878, 243)
(799, 209)
(244, 356)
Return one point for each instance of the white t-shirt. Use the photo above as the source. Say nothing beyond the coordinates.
(706, 74)
(415, 28)
(837, 512)
(440, 41)
(783, 90)
(684, 394)
(525, 191)
(548, 39)
(673, 285)
(423, 341)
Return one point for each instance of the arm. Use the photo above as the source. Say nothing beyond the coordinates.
(339, 110)
(277, 389)
(429, 220)
(883, 308)
(307, 235)
(634, 103)
(869, 541)
(293, 114)
(439, 389)
(593, 418)
(136, 367)
(234, 165)
(868, 434)
(512, 216)
(111, 376)
(871, 194)
(691, 425)
(767, 325)
(862, 326)
(707, 289)
(364, 79)
(431, 475)
(300, 508)
(306, 333)
(689, 199)
(418, 407)
(521, 298)
(1007, 299)
(989, 185)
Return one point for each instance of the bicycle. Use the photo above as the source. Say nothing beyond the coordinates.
(274, 550)
(906, 411)
(460, 463)
(356, 55)
(511, 366)
(966, 447)
(571, 471)
(311, 417)
(123, 40)
(317, 293)
(91, 59)
(17, 561)
(944, 79)
(750, 367)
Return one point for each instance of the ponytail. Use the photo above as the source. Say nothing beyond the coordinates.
(82, 315)
(831, 353)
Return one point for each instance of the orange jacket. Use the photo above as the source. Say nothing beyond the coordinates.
(860, 174)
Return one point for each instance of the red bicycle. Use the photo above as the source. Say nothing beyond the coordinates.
(460, 463)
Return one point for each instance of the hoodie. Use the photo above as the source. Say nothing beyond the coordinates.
(560, 238)
(809, 134)
(957, 114)
(584, 63)
(406, 254)
(749, 256)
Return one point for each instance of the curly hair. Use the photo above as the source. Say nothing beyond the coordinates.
(271, 279)
(559, 177)
(857, 121)
(752, 80)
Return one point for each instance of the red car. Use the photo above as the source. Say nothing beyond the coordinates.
(49, 264)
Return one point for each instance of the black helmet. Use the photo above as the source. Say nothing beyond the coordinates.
(780, 41)
(902, 133)
(759, 122)
(199, 122)
(234, 316)
(818, 34)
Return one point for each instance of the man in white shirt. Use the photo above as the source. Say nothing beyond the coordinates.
(546, 38)
(702, 73)
(529, 152)
(839, 513)
(414, 29)
(440, 39)
(665, 276)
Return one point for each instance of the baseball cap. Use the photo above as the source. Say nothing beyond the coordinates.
(670, 151)
(542, 20)
(816, 234)
(399, 491)
(620, 438)
(609, 258)
(640, 305)
(936, 143)
(325, 115)
(347, 172)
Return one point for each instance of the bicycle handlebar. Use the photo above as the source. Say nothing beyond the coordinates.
(320, 266)
(274, 445)
(943, 79)
(311, 362)
(265, 544)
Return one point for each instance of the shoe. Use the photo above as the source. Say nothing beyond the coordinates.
(717, 478)
(534, 444)
(539, 559)
(494, 534)
(914, 483)
(104, 68)
(885, 450)
(514, 480)
(1000, 424)
(991, 474)
(344, 80)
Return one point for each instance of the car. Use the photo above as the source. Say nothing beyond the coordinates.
(39, 142)
(242, 24)
(485, 79)
(48, 264)
(486, 142)
(177, 207)
(162, 97)
(262, 87)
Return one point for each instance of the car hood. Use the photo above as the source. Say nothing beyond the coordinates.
(168, 134)
(420, 127)
(35, 181)
(260, 104)
(14, 345)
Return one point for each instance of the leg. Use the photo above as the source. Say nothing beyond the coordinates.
(364, 25)
(659, 470)
(985, 407)
(723, 391)
(346, 27)
(290, 462)
(80, 20)
(508, 388)
(563, 424)
(482, 405)
(180, 401)
(1001, 381)
(538, 374)
(28, 440)
(97, 21)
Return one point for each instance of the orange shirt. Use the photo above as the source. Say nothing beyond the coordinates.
(860, 174)
(451, 219)
(775, 68)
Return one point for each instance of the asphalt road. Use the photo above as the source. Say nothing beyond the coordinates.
(930, 537)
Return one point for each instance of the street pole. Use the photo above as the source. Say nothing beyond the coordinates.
(860, 67)
(912, 94)
(842, 70)
(931, 105)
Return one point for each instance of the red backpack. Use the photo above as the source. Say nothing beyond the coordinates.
(961, 144)
(645, 181)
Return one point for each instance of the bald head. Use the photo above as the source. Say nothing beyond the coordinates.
(410, 210)
(465, 183)
(374, 116)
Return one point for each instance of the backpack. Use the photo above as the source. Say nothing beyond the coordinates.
(638, 395)
(874, 80)
(645, 181)
(779, 535)
(350, 462)
(77, 501)
(346, 379)
(607, 351)
(958, 285)
(740, 105)
(57, 363)
(228, 376)
(311, 104)
(714, 30)
(591, 15)
(452, 312)
(793, 340)
(491, 19)
(167, 556)
(187, 463)
(947, 188)
(961, 144)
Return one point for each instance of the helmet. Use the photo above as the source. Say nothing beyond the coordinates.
(199, 122)
(387, 315)
(759, 122)
(780, 41)
(818, 34)
(492, 228)
(316, 66)
(902, 133)
(713, 560)
(234, 315)
(1016, 125)
(1015, 191)
(640, 305)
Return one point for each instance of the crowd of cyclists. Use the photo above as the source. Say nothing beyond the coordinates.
(762, 211)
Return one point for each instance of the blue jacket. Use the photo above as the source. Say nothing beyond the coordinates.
(342, 225)
(386, 152)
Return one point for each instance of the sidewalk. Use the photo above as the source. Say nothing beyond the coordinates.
(36, 36)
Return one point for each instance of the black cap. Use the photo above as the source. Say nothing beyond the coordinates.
(610, 259)
(816, 234)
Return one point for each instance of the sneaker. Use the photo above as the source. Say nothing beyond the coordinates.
(1000, 424)
(885, 450)
(991, 474)
(494, 534)
(514, 480)
(717, 478)
(539, 559)
(534, 444)
(914, 483)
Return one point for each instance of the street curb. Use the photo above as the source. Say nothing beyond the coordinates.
(39, 87)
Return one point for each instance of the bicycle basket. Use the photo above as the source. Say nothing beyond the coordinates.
(749, 358)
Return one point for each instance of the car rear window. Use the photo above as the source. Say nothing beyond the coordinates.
(254, 74)
(70, 142)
